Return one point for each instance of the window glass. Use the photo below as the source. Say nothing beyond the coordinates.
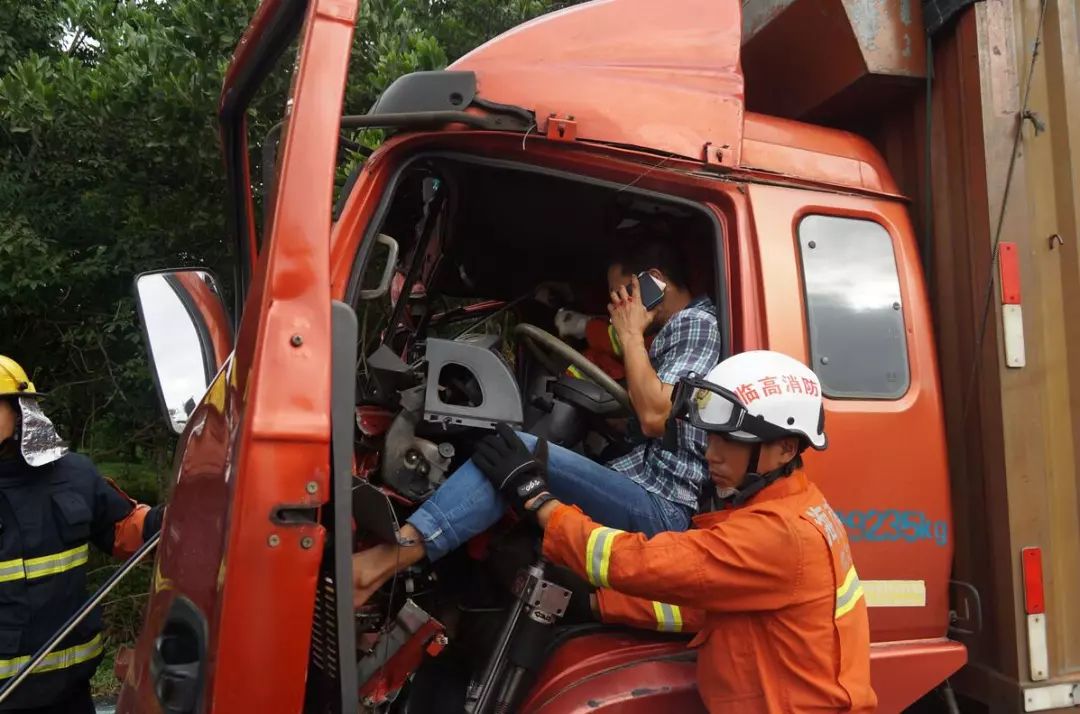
(853, 306)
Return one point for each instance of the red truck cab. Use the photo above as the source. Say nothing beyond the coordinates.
(509, 169)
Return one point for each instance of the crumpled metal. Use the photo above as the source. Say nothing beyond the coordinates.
(38, 440)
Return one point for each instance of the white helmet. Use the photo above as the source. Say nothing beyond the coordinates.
(757, 396)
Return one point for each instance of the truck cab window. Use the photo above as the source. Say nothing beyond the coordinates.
(854, 311)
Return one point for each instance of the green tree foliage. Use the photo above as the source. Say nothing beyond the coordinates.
(109, 166)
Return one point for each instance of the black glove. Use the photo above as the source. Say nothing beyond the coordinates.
(152, 524)
(517, 474)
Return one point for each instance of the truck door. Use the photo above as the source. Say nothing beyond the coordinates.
(843, 290)
(230, 614)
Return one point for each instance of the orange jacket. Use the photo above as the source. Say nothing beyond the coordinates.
(784, 624)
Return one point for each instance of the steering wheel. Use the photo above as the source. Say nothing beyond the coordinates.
(538, 341)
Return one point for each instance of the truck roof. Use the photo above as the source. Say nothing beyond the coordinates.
(814, 153)
(664, 77)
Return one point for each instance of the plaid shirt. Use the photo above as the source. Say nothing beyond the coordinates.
(689, 342)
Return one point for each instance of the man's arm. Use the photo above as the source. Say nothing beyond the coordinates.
(691, 344)
(738, 565)
(650, 397)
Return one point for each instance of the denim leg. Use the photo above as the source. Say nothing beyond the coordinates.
(466, 505)
(463, 507)
(608, 496)
(671, 516)
(605, 495)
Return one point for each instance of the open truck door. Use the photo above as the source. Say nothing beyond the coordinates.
(235, 583)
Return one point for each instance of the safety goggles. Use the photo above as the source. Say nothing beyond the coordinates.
(718, 410)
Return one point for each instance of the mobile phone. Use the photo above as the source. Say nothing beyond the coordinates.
(652, 290)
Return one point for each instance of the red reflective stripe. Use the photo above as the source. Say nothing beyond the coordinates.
(1034, 598)
(1009, 271)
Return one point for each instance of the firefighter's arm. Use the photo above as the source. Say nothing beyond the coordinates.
(136, 528)
(121, 524)
(749, 563)
(616, 608)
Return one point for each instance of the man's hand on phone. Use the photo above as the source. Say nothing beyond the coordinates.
(628, 316)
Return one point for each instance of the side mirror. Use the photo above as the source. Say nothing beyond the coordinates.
(188, 336)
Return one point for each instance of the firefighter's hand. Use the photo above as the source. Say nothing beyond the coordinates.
(517, 474)
(628, 315)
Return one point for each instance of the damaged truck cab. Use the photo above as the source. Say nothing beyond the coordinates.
(383, 327)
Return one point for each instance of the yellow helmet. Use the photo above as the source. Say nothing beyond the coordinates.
(14, 382)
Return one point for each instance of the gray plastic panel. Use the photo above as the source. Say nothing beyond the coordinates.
(500, 392)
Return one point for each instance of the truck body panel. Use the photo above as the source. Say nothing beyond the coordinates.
(647, 79)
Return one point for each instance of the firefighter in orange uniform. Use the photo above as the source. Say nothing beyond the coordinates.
(768, 576)
(53, 504)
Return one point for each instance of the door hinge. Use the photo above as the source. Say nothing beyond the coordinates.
(713, 155)
(561, 129)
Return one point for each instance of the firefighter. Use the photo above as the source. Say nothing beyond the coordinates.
(53, 503)
(769, 574)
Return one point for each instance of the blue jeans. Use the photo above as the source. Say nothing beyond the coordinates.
(466, 505)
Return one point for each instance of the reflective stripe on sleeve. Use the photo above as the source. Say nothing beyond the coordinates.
(598, 555)
(44, 565)
(668, 617)
(60, 659)
(848, 594)
(57, 562)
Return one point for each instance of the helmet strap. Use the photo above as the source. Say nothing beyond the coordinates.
(754, 483)
(752, 465)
